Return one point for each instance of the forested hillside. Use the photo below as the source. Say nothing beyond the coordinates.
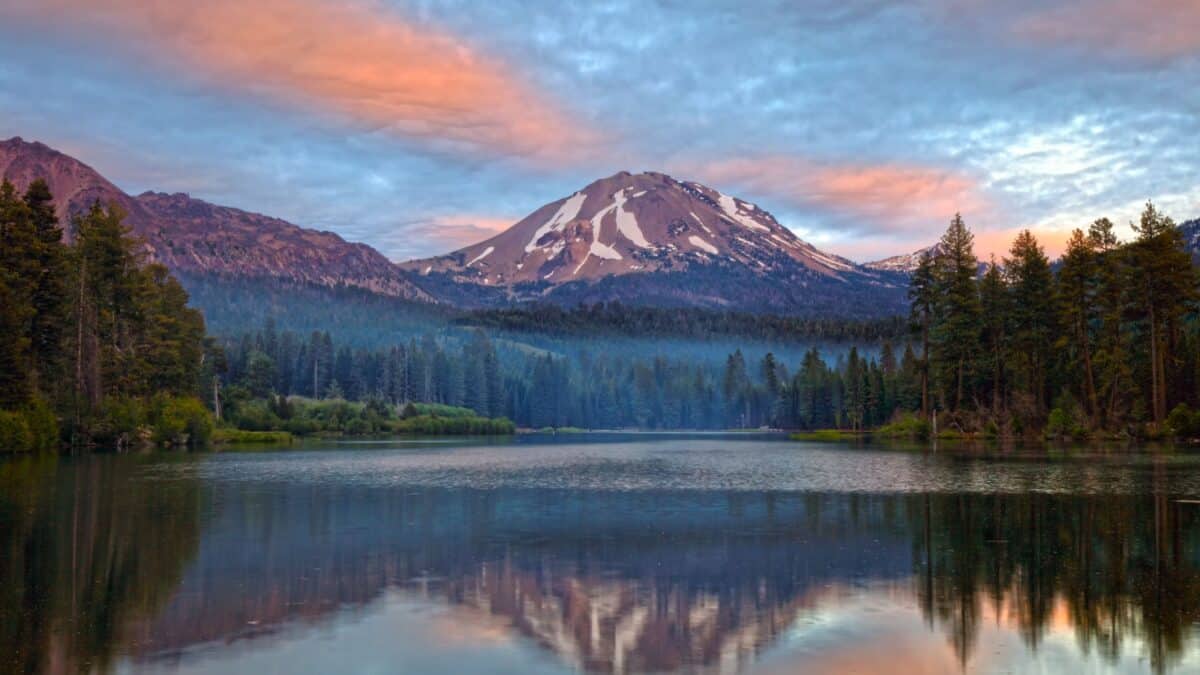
(1106, 342)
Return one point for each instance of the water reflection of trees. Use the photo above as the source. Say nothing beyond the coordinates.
(84, 553)
(92, 565)
(1122, 568)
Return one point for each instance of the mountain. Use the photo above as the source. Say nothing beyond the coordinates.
(1191, 235)
(904, 264)
(195, 238)
(653, 240)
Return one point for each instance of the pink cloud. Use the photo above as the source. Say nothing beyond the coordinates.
(1151, 29)
(894, 197)
(443, 234)
(359, 63)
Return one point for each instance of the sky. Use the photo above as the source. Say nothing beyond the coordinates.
(420, 127)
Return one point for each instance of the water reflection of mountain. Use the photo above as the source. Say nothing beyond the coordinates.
(610, 581)
(656, 581)
(95, 563)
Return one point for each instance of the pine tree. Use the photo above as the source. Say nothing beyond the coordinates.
(1164, 289)
(996, 312)
(956, 317)
(49, 291)
(1113, 375)
(922, 292)
(1078, 281)
(18, 242)
(1034, 315)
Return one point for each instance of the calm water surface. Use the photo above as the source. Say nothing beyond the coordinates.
(635, 554)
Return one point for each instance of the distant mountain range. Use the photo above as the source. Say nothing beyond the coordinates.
(639, 239)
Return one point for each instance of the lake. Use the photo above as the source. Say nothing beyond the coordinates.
(605, 554)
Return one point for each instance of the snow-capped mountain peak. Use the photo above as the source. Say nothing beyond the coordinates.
(630, 223)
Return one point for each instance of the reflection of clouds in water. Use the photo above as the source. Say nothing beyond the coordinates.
(723, 464)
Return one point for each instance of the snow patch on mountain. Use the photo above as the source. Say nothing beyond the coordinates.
(705, 227)
(627, 222)
(730, 206)
(604, 251)
(486, 252)
(699, 242)
(565, 214)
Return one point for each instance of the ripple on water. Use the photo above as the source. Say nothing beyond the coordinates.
(706, 464)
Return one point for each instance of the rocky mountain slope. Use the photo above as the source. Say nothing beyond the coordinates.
(194, 237)
(651, 239)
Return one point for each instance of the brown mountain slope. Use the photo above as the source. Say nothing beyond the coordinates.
(192, 236)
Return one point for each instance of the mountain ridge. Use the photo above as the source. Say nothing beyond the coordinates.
(640, 239)
(193, 236)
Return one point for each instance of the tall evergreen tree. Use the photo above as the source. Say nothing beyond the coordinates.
(1078, 283)
(956, 325)
(1163, 285)
(922, 293)
(996, 313)
(1034, 315)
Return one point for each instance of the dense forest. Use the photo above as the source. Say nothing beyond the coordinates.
(594, 390)
(99, 347)
(1105, 341)
(95, 345)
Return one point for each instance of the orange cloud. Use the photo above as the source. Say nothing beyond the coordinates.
(892, 196)
(1151, 29)
(360, 63)
(441, 234)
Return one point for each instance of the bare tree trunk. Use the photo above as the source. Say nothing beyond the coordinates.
(925, 372)
(217, 397)
(1087, 369)
(1154, 368)
(79, 310)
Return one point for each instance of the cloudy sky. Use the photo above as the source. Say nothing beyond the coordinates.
(419, 127)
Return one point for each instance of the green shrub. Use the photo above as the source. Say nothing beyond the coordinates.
(456, 426)
(43, 427)
(118, 422)
(1183, 422)
(227, 435)
(1067, 419)
(907, 425)
(302, 426)
(179, 420)
(14, 433)
(439, 410)
(255, 416)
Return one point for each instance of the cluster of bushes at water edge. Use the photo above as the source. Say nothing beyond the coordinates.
(303, 416)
